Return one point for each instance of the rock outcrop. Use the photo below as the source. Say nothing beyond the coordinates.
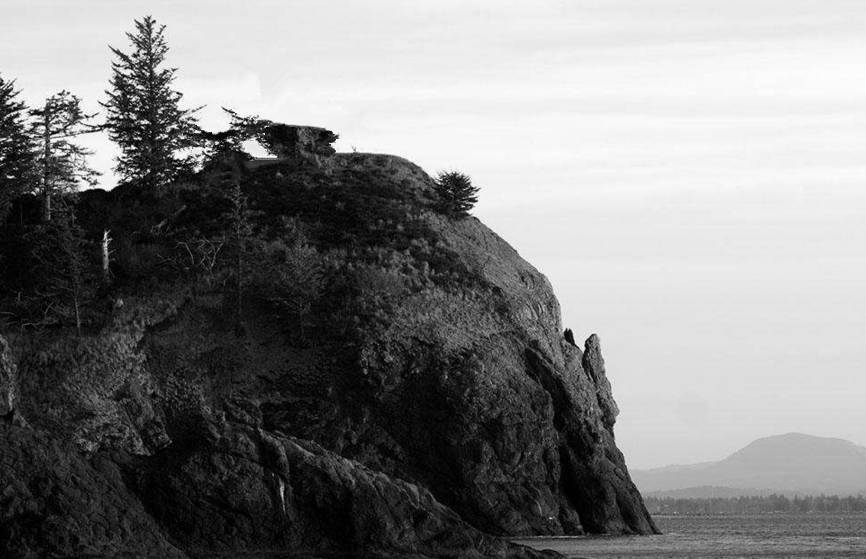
(250, 491)
(54, 503)
(423, 397)
(300, 144)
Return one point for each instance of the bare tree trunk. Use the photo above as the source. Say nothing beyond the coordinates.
(46, 173)
(238, 283)
(239, 245)
(77, 315)
(106, 257)
(303, 338)
(46, 207)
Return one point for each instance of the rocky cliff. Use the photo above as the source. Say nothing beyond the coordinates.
(384, 379)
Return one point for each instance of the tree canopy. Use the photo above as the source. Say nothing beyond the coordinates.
(456, 193)
(16, 147)
(61, 162)
(144, 115)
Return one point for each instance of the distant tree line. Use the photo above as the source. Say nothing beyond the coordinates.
(757, 505)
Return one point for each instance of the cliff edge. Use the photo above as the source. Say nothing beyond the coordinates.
(383, 378)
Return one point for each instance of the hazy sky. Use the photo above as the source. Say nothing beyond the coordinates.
(690, 174)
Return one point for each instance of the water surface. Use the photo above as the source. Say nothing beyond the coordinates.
(736, 536)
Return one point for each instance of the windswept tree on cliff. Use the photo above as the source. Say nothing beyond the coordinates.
(61, 162)
(225, 149)
(144, 114)
(456, 193)
(16, 148)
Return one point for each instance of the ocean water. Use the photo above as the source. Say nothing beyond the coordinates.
(736, 536)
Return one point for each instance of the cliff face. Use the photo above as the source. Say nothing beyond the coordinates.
(412, 394)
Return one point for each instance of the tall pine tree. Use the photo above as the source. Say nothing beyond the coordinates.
(144, 114)
(16, 148)
(61, 163)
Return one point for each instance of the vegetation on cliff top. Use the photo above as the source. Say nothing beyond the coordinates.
(284, 234)
(314, 352)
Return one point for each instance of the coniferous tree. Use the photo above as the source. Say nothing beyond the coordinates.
(227, 143)
(299, 282)
(456, 194)
(62, 163)
(58, 263)
(68, 282)
(144, 114)
(16, 148)
(241, 233)
(291, 274)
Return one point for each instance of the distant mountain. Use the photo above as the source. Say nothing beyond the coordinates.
(791, 463)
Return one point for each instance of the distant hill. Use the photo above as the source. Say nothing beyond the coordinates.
(793, 464)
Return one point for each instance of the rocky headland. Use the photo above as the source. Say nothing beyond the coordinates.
(385, 380)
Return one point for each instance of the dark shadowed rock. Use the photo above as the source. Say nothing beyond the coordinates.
(300, 144)
(426, 398)
(250, 491)
(55, 504)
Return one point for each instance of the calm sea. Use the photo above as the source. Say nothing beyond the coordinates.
(736, 536)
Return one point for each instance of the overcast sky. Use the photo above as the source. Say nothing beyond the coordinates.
(688, 173)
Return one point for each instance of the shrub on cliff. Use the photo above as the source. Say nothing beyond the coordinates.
(59, 281)
(291, 276)
(456, 193)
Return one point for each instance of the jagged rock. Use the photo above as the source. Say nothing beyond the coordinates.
(54, 504)
(300, 144)
(433, 399)
(593, 364)
(251, 491)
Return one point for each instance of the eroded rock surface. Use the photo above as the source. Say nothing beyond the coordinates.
(300, 144)
(250, 491)
(426, 400)
(53, 503)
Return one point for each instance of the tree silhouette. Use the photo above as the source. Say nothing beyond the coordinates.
(16, 148)
(57, 262)
(456, 194)
(61, 162)
(144, 114)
